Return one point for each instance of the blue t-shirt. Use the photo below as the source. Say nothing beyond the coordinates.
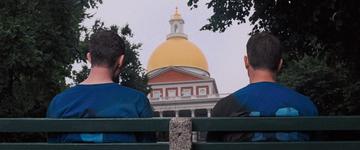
(272, 99)
(267, 99)
(264, 99)
(108, 100)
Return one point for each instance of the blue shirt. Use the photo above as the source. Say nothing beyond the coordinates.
(263, 99)
(272, 99)
(267, 99)
(108, 100)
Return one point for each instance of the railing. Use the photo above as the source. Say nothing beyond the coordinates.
(180, 130)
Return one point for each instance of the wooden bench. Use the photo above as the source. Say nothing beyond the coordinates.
(31, 125)
(341, 123)
(180, 130)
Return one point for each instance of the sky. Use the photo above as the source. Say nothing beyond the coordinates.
(149, 21)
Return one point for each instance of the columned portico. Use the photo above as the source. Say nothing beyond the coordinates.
(185, 113)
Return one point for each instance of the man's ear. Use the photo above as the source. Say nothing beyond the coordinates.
(121, 60)
(280, 65)
(246, 62)
(88, 57)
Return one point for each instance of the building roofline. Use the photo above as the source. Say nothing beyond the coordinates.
(159, 71)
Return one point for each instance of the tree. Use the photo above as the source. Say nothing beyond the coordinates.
(39, 40)
(324, 32)
(132, 74)
(328, 86)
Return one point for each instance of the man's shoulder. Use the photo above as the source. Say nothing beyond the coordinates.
(255, 94)
(244, 93)
(58, 102)
(226, 100)
(293, 92)
(296, 96)
(226, 106)
(133, 95)
(66, 92)
(267, 89)
(110, 89)
(231, 99)
(130, 91)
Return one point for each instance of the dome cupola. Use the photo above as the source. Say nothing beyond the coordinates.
(177, 50)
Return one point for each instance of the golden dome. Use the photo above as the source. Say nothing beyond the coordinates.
(177, 51)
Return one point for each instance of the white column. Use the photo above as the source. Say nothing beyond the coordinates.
(192, 113)
(176, 113)
(161, 114)
(194, 134)
(208, 112)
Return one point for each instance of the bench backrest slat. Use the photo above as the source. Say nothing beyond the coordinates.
(112, 146)
(83, 125)
(334, 145)
(340, 123)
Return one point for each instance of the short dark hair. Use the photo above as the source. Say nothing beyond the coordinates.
(264, 51)
(106, 47)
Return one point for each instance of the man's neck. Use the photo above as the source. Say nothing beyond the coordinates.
(261, 76)
(98, 75)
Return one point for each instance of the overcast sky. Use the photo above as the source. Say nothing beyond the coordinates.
(149, 21)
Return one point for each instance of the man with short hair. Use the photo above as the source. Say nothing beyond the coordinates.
(263, 97)
(100, 95)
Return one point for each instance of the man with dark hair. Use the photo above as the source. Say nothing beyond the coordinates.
(100, 95)
(263, 97)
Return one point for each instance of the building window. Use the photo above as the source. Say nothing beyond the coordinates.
(186, 92)
(171, 92)
(202, 91)
(157, 94)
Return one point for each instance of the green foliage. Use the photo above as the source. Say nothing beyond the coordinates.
(38, 40)
(226, 12)
(328, 86)
(132, 74)
(38, 43)
(305, 27)
(79, 76)
(309, 30)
